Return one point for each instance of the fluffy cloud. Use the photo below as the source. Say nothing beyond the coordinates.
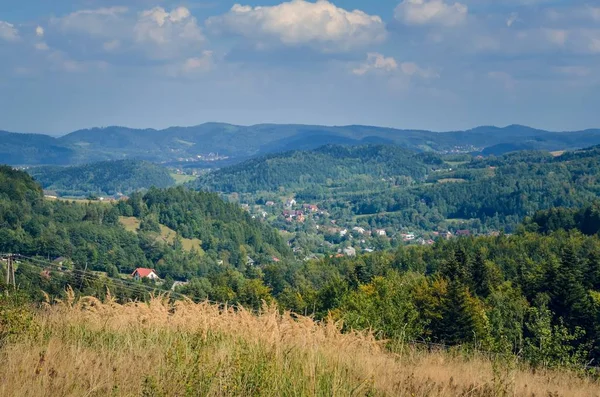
(194, 66)
(39, 31)
(320, 25)
(157, 33)
(431, 12)
(100, 23)
(378, 63)
(8, 31)
(161, 27)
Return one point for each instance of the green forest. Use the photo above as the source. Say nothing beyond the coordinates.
(535, 293)
(102, 179)
(419, 191)
(92, 233)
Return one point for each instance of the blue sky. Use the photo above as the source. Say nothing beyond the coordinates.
(428, 64)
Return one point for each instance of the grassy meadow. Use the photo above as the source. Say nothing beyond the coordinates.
(90, 348)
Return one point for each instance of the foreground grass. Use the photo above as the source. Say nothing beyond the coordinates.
(90, 348)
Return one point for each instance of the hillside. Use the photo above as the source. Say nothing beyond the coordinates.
(91, 234)
(165, 235)
(330, 165)
(389, 187)
(86, 347)
(529, 296)
(103, 179)
(235, 143)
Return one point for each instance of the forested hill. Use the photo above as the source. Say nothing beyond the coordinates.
(330, 165)
(93, 234)
(104, 178)
(241, 142)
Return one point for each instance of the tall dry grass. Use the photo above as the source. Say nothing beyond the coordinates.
(90, 348)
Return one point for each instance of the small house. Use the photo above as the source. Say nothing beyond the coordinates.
(141, 273)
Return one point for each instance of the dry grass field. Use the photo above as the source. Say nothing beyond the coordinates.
(93, 348)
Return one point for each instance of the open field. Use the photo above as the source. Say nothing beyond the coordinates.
(90, 348)
(183, 179)
(452, 180)
(77, 200)
(166, 235)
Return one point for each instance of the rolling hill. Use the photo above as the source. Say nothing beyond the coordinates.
(242, 142)
(331, 165)
(104, 178)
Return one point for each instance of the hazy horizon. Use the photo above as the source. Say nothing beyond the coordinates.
(60, 134)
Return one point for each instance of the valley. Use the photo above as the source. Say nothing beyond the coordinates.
(496, 254)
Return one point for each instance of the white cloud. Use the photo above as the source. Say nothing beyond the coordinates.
(156, 32)
(202, 64)
(192, 67)
(320, 25)
(102, 22)
(378, 63)
(62, 62)
(412, 69)
(8, 31)
(168, 32)
(39, 31)
(431, 12)
(514, 17)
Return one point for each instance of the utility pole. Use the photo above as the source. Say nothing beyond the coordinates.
(10, 271)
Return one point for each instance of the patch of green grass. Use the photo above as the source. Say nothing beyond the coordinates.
(183, 179)
(452, 180)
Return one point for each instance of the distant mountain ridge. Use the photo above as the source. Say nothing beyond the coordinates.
(242, 142)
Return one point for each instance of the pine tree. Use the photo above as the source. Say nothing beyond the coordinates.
(457, 324)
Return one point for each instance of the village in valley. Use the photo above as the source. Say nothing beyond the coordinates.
(313, 232)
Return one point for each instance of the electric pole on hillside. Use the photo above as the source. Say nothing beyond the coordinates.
(10, 271)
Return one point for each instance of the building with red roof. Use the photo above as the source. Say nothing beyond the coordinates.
(142, 272)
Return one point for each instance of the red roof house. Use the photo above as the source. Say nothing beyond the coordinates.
(141, 273)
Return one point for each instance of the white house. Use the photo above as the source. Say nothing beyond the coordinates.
(349, 251)
(141, 273)
(380, 232)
